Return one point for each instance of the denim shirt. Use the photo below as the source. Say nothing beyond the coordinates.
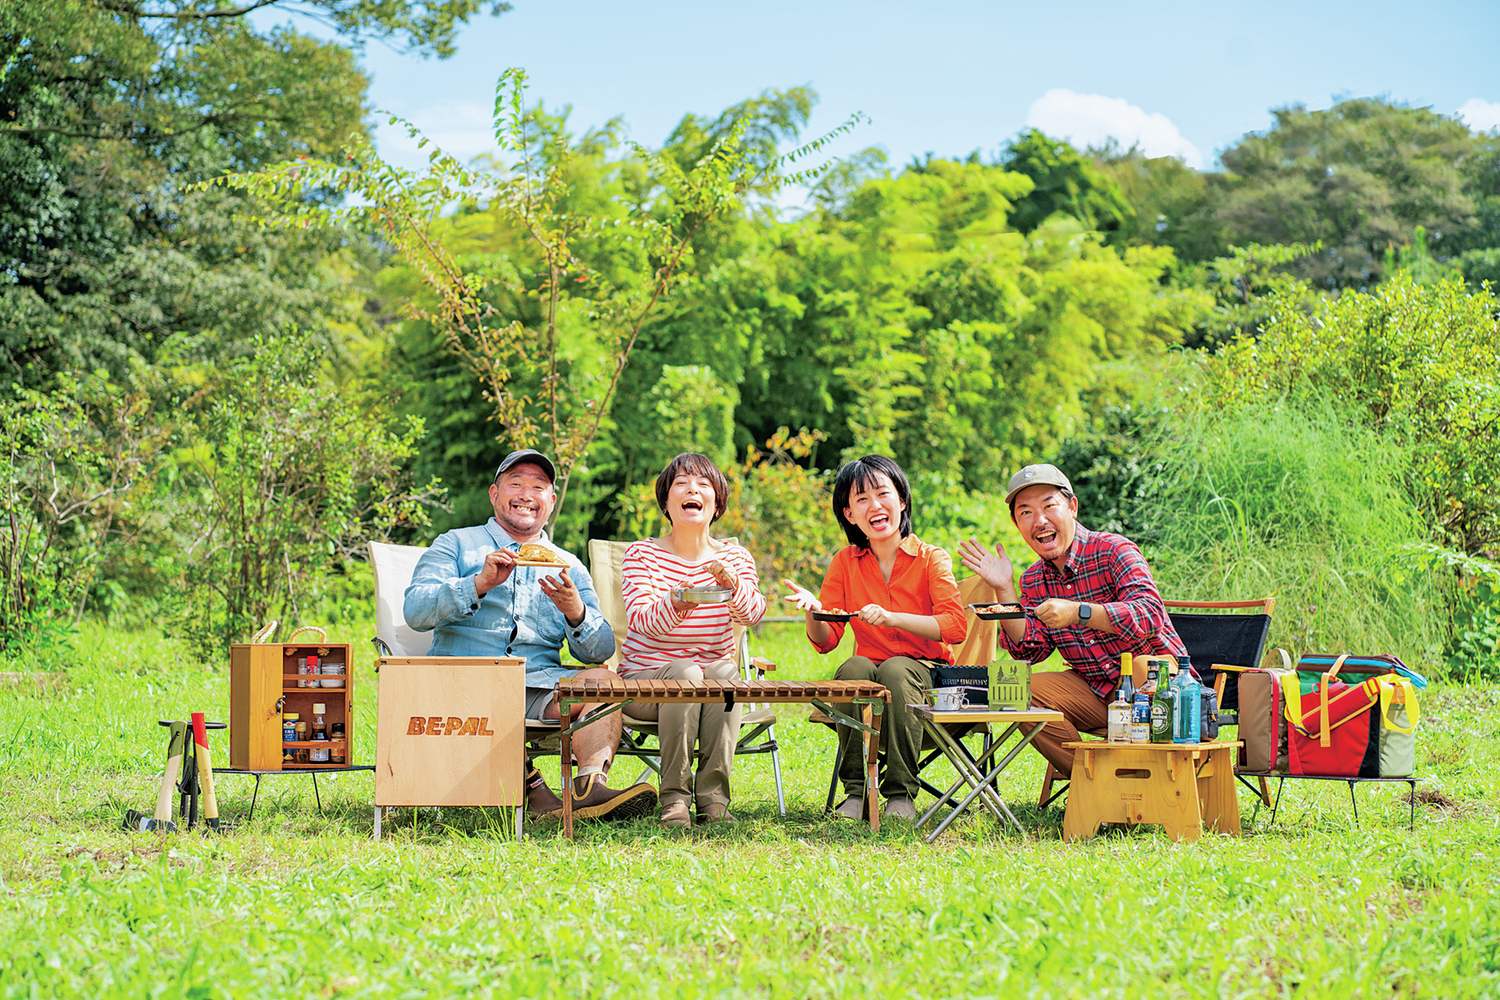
(514, 619)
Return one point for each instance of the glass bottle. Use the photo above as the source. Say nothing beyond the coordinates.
(319, 755)
(1118, 712)
(1161, 708)
(1189, 704)
(340, 748)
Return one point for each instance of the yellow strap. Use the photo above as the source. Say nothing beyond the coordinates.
(1325, 738)
(1389, 685)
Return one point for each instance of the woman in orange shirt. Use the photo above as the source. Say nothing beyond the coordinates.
(906, 613)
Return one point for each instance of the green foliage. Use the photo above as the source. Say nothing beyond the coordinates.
(110, 111)
(1304, 503)
(75, 467)
(280, 476)
(1358, 178)
(1412, 361)
(1064, 181)
(592, 260)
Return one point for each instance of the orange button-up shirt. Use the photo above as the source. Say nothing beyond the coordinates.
(921, 584)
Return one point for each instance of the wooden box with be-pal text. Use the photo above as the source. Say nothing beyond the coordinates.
(450, 731)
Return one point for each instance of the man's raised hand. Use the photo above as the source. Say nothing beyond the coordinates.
(994, 567)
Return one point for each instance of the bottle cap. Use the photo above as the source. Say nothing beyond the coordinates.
(291, 716)
(320, 708)
(312, 661)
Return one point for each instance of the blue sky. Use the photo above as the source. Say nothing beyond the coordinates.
(950, 76)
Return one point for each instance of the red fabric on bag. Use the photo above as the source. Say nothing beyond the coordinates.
(1349, 740)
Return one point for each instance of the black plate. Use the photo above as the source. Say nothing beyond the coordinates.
(994, 616)
(829, 616)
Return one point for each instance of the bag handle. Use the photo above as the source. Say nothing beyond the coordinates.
(1325, 738)
(264, 632)
(322, 636)
(1389, 687)
(1286, 660)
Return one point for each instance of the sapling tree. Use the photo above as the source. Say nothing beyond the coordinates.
(536, 397)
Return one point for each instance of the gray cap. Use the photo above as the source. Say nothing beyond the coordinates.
(1037, 475)
(527, 455)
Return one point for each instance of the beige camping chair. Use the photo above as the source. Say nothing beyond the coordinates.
(757, 723)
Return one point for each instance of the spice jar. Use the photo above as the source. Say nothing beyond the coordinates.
(319, 755)
(302, 738)
(289, 727)
(339, 748)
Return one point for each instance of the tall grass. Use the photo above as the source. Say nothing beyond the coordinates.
(1294, 501)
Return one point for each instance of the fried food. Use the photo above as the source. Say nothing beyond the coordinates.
(534, 552)
(997, 609)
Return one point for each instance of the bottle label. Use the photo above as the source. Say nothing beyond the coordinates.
(1119, 723)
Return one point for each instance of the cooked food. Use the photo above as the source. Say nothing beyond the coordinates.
(533, 552)
(997, 609)
(836, 611)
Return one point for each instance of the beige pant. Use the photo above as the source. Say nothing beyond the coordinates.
(712, 728)
(1067, 692)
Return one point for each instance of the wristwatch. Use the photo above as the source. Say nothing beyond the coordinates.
(1083, 613)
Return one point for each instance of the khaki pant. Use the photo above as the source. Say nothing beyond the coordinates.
(1067, 692)
(900, 731)
(712, 728)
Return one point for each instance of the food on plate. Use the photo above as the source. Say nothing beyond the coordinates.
(533, 552)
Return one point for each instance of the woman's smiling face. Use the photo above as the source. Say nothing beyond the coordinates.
(875, 508)
(691, 500)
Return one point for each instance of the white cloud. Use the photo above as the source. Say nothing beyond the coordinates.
(1091, 119)
(1480, 115)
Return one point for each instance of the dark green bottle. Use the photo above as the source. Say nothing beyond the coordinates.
(1162, 704)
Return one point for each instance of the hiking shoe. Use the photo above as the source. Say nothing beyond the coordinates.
(540, 799)
(603, 802)
(851, 808)
(899, 807)
(716, 812)
(675, 816)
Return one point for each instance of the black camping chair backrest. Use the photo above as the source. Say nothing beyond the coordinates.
(1238, 640)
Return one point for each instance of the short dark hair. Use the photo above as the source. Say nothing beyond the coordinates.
(690, 463)
(1067, 494)
(860, 475)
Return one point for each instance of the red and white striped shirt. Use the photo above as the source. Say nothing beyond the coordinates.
(656, 634)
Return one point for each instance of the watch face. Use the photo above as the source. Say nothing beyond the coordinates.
(1084, 611)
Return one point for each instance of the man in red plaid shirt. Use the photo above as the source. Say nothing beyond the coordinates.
(1090, 597)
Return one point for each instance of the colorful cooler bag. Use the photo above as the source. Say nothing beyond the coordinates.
(1350, 728)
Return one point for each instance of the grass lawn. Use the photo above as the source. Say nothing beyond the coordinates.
(303, 904)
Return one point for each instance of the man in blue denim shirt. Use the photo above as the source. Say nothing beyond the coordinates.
(468, 591)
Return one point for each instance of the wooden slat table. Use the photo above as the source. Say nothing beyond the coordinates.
(971, 769)
(871, 699)
(1182, 786)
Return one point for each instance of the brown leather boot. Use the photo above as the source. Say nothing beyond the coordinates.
(593, 799)
(540, 800)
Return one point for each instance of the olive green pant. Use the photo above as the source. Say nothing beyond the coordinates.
(900, 731)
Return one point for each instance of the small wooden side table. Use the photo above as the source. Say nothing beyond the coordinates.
(1182, 786)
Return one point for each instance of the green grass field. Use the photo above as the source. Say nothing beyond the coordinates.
(302, 904)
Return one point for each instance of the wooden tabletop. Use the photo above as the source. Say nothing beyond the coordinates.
(620, 689)
(985, 714)
(1106, 745)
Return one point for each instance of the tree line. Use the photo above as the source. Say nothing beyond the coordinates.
(176, 346)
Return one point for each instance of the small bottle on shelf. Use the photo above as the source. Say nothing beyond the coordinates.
(319, 755)
(339, 749)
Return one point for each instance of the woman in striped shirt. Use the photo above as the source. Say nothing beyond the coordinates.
(669, 639)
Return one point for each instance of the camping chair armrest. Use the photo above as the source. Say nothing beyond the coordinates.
(762, 664)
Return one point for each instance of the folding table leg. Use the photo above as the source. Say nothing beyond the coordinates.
(872, 718)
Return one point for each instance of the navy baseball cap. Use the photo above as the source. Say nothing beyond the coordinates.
(527, 455)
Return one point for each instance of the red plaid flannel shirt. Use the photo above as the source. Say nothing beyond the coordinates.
(1101, 569)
